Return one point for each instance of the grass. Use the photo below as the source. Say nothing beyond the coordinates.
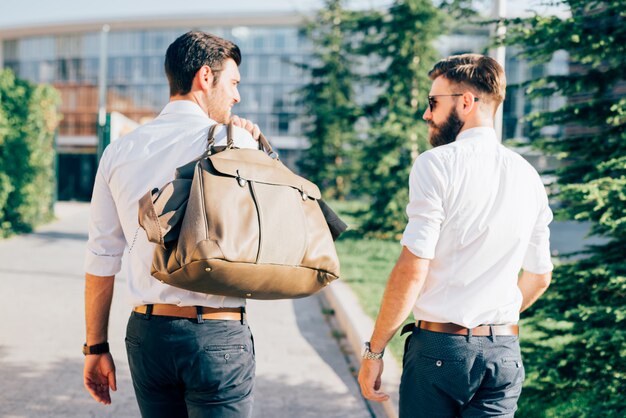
(366, 264)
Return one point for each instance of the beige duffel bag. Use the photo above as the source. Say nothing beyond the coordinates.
(238, 222)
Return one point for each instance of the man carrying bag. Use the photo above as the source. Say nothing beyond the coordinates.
(190, 354)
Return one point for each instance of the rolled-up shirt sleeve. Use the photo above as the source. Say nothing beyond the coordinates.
(106, 242)
(425, 209)
(537, 259)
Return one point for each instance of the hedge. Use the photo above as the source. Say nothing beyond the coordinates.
(28, 120)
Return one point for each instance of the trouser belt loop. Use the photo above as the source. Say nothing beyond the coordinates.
(148, 313)
(199, 314)
(469, 334)
(243, 311)
(419, 326)
(492, 331)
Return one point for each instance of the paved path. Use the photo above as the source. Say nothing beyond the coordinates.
(300, 370)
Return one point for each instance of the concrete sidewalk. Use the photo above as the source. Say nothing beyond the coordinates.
(301, 372)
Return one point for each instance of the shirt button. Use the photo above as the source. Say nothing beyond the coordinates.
(439, 363)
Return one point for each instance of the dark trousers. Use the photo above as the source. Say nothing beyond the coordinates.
(182, 368)
(449, 375)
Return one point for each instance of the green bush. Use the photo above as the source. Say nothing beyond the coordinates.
(28, 120)
(576, 367)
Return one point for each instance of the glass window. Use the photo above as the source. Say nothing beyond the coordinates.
(155, 69)
(90, 70)
(61, 73)
(249, 98)
(258, 41)
(90, 46)
(262, 120)
(136, 70)
(295, 127)
(264, 68)
(272, 125)
(252, 70)
(279, 41)
(116, 70)
(244, 69)
(13, 66)
(46, 72)
(274, 65)
(10, 48)
(283, 123)
(267, 97)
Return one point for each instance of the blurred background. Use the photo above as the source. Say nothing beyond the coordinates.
(339, 88)
(71, 46)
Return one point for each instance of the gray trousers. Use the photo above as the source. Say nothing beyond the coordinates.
(449, 375)
(181, 368)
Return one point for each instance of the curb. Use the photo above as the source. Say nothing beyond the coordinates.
(358, 328)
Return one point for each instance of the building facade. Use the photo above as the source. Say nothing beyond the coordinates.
(69, 58)
(272, 44)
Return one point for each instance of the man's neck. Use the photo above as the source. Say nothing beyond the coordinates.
(192, 97)
(478, 123)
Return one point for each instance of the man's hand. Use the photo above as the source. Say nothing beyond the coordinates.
(370, 381)
(99, 376)
(253, 128)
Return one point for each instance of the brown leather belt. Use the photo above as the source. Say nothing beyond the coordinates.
(480, 331)
(234, 314)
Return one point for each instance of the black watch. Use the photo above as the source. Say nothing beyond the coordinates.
(101, 348)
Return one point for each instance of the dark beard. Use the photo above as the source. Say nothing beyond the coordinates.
(447, 131)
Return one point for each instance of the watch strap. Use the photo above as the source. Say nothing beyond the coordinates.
(101, 348)
(369, 355)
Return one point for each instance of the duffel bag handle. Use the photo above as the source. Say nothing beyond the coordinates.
(264, 144)
(211, 136)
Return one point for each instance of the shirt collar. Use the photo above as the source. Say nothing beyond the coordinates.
(481, 131)
(186, 107)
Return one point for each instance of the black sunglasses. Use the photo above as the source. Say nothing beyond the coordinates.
(432, 102)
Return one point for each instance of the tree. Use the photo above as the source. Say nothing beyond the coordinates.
(28, 119)
(577, 368)
(330, 160)
(398, 43)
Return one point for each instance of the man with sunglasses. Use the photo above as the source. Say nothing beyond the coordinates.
(478, 214)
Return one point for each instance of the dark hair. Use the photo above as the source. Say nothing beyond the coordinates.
(479, 72)
(187, 54)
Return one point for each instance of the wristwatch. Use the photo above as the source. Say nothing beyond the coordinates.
(369, 355)
(101, 348)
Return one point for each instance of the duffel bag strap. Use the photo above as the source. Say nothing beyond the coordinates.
(264, 144)
(211, 136)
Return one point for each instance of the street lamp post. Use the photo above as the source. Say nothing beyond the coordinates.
(102, 91)
(499, 53)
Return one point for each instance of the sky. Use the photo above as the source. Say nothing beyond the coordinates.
(43, 12)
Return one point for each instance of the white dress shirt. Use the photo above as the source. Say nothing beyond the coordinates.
(479, 212)
(131, 166)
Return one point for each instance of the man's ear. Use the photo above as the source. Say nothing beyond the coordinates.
(203, 78)
(469, 102)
